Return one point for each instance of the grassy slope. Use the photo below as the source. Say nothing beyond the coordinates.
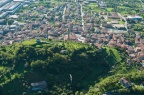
(109, 9)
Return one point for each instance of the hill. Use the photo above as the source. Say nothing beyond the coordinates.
(68, 68)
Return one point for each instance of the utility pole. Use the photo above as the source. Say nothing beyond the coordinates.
(0, 48)
(68, 33)
(69, 30)
(47, 34)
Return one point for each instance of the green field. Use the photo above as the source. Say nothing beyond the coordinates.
(109, 9)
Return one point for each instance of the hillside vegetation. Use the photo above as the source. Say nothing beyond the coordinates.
(93, 71)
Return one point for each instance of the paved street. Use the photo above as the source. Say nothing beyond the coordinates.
(124, 20)
(82, 17)
(63, 17)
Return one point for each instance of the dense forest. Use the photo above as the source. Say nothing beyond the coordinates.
(69, 68)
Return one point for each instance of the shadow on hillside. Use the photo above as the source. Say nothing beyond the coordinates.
(1, 92)
(40, 44)
(88, 76)
(84, 71)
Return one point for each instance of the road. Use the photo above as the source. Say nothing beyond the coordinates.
(82, 17)
(124, 20)
(63, 17)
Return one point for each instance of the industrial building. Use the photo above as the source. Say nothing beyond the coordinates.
(134, 18)
(3, 2)
(4, 29)
(3, 14)
(9, 7)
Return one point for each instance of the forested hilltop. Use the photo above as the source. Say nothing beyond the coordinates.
(69, 68)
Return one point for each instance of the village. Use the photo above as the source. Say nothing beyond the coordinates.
(76, 21)
(69, 21)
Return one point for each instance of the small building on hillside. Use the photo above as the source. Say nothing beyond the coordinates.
(125, 83)
(39, 86)
(38, 40)
(63, 51)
